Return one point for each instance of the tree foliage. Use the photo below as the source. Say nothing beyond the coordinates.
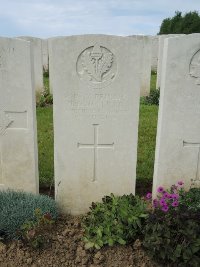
(185, 24)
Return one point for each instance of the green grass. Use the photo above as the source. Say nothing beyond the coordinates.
(45, 145)
(146, 141)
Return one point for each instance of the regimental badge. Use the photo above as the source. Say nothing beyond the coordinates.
(195, 67)
(97, 66)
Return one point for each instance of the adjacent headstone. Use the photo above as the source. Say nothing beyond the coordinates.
(160, 56)
(45, 55)
(38, 63)
(178, 136)
(145, 63)
(95, 80)
(18, 144)
(154, 53)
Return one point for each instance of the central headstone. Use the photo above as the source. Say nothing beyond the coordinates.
(95, 81)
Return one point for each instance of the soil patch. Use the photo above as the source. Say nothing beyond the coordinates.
(66, 248)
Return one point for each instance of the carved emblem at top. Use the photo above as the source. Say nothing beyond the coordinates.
(195, 67)
(96, 65)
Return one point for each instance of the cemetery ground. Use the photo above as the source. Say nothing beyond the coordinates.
(119, 232)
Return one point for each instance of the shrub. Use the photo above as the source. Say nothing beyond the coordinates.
(172, 231)
(34, 233)
(118, 219)
(44, 99)
(18, 207)
(153, 98)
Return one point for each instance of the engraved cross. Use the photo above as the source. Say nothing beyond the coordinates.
(196, 181)
(9, 119)
(96, 146)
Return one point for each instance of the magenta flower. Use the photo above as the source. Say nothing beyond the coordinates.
(175, 203)
(163, 202)
(175, 196)
(148, 195)
(180, 183)
(166, 195)
(165, 208)
(160, 189)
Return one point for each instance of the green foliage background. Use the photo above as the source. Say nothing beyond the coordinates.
(186, 24)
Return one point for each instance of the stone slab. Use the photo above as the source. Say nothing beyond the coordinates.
(18, 138)
(145, 63)
(95, 80)
(178, 134)
(154, 53)
(45, 55)
(38, 62)
(160, 56)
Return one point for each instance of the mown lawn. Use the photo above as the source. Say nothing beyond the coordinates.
(146, 141)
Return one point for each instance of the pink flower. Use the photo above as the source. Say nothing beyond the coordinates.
(175, 196)
(175, 203)
(148, 195)
(166, 195)
(163, 202)
(180, 183)
(165, 208)
(160, 189)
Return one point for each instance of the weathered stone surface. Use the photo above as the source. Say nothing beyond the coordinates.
(160, 55)
(45, 54)
(18, 144)
(38, 62)
(145, 63)
(154, 52)
(95, 80)
(178, 135)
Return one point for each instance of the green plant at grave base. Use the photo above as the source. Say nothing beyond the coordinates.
(172, 230)
(45, 74)
(45, 98)
(18, 207)
(152, 99)
(33, 232)
(118, 219)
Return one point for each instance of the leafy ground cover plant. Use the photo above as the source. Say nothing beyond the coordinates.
(16, 208)
(152, 99)
(172, 231)
(44, 99)
(118, 219)
(33, 232)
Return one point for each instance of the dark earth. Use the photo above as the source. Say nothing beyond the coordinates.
(64, 247)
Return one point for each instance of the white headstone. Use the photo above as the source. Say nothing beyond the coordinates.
(145, 63)
(95, 80)
(18, 143)
(160, 56)
(45, 55)
(38, 63)
(154, 53)
(178, 136)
